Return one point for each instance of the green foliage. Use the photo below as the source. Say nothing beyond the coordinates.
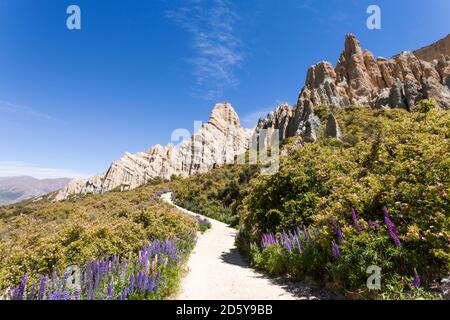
(216, 194)
(426, 105)
(45, 236)
(385, 158)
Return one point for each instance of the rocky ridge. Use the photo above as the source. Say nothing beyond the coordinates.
(357, 79)
(360, 79)
(217, 142)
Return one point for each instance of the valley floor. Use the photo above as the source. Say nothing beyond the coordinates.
(217, 271)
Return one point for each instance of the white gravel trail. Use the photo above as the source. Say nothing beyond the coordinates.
(217, 271)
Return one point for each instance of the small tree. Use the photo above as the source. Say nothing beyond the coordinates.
(424, 106)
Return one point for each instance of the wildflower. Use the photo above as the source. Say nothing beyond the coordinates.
(151, 284)
(268, 239)
(111, 288)
(356, 221)
(158, 279)
(131, 290)
(124, 294)
(335, 250)
(31, 293)
(64, 296)
(22, 287)
(42, 288)
(392, 230)
(416, 282)
(337, 230)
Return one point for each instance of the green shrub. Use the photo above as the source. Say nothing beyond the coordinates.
(55, 235)
(385, 158)
(216, 194)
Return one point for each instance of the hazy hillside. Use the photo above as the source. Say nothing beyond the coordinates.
(16, 189)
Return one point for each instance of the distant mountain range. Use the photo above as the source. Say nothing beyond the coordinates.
(17, 189)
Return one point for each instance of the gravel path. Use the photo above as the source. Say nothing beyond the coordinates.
(217, 271)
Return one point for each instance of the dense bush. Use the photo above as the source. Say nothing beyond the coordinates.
(152, 274)
(385, 158)
(39, 238)
(216, 194)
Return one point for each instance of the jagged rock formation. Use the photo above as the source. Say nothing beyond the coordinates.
(332, 130)
(360, 79)
(434, 51)
(217, 142)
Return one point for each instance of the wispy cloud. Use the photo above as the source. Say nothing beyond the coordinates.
(251, 119)
(17, 168)
(217, 46)
(16, 108)
(329, 19)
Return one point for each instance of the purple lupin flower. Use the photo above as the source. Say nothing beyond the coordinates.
(151, 283)
(96, 283)
(13, 293)
(42, 288)
(268, 239)
(22, 288)
(287, 246)
(335, 250)
(158, 280)
(416, 282)
(388, 221)
(122, 294)
(306, 233)
(131, 290)
(65, 296)
(356, 221)
(337, 230)
(392, 230)
(32, 291)
(111, 288)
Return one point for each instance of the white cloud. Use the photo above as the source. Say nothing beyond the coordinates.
(15, 108)
(16, 168)
(211, 24)
(251, 119)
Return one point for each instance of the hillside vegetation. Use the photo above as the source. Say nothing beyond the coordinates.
(40, 238)
(216, 194)
(377, 196)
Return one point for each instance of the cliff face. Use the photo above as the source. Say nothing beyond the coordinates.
(434, 51)
(360, 79)
(216, 143)
(357, 79)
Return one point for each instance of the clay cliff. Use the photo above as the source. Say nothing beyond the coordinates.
(434, 51)
(360, 79)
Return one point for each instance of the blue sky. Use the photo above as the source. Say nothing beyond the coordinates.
(71, 102)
